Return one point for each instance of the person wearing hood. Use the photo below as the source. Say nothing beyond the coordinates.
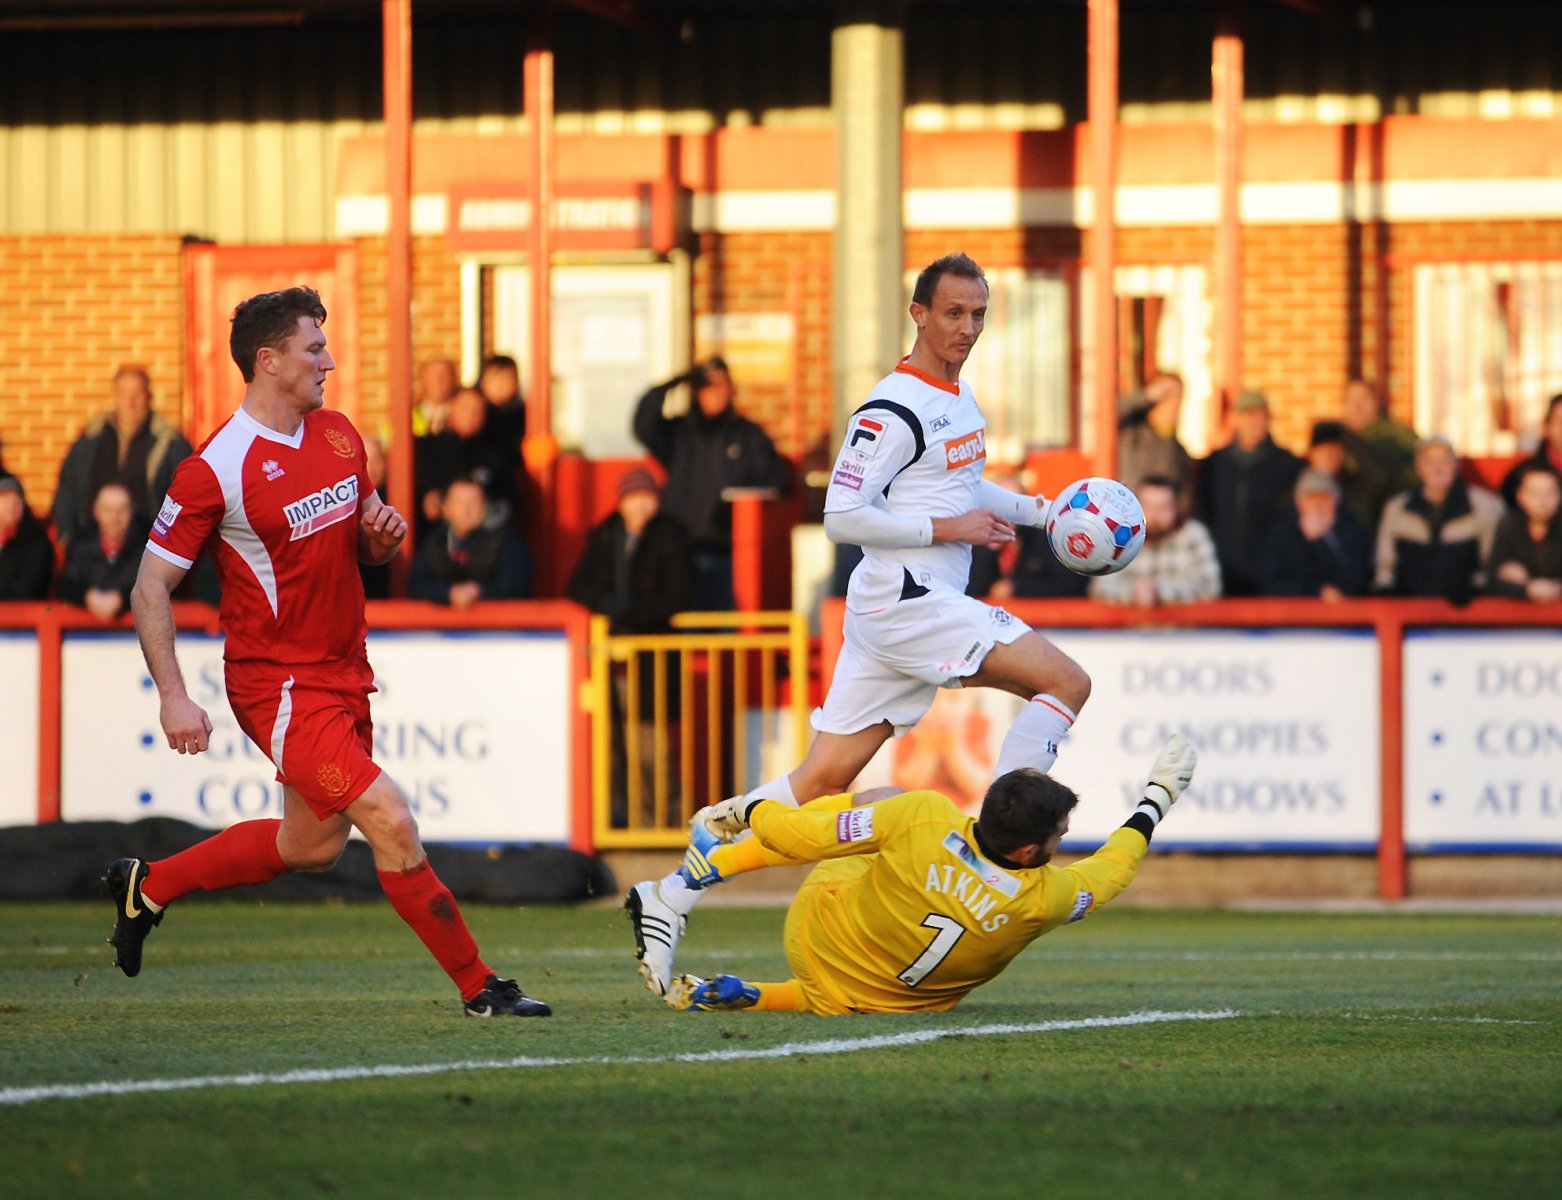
(706, 452)
(1147, 438)
(131, 445)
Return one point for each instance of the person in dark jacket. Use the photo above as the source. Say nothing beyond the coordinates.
(1320, 548)
(472, 446)
(706, 452)
(101, 569)
(1547, 454)
(26, 554)
(636, 570)
(1244, 488)
(1435, 538)
(1526, 554)
(131, 445)
(1147, 438)
(464, 558)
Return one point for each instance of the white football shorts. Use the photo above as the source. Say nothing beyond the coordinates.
(895, 660)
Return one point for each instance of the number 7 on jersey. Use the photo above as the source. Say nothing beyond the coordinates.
(949, 931)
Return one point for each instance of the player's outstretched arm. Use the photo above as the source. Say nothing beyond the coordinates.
(1015, 507)
(381, 530)
(1106, 874)
(185, 723)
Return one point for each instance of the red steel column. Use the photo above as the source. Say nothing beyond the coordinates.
(1392, 869)
(1103, 225)
(538, 103)
(1226, 80)
(396, 20)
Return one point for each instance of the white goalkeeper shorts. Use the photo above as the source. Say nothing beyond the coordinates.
(895, 660)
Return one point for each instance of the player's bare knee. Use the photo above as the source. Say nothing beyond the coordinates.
(321, 856)
(1074, 689)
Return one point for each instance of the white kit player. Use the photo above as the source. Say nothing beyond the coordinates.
(908, 488)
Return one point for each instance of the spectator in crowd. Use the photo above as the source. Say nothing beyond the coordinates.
(101, 569)
(1319, 548)
(375, 576)
(1547, 454)
(1244, 488)
(130, 444)
(499, 379)
(1147, 438)
(469, 447)
(1435, 538)
(438, 383)
(465, 558)
(636, 570)
(1036, 572)
(26, 554)
(1380, 453)
(1178, 563)
(1526, 555)
(707, 451)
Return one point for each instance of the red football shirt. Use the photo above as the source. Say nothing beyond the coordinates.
(285, 514)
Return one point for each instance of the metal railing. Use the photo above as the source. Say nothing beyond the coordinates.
(678, 718)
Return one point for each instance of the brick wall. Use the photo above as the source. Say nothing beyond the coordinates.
(72, 309)
(777, 272)
(436, 318)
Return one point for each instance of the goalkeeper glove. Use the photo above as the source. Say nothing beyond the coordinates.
(1170, 774)
(729, 818)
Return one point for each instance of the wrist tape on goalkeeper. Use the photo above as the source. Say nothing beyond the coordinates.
(1150, 811)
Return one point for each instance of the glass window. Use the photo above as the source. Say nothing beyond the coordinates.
(1488, 352)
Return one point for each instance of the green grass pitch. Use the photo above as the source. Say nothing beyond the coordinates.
(1369, 1056)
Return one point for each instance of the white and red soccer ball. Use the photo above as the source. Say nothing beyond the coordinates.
(1095, 526)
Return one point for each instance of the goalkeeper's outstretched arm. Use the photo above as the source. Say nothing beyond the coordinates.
(1106, 874)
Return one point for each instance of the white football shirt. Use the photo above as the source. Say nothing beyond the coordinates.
(916, 449)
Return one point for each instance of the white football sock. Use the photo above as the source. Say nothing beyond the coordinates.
(675, 889)
(1032, 741)
(678, 895)
(776, 789)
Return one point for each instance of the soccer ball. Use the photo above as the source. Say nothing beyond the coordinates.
(1095, 526)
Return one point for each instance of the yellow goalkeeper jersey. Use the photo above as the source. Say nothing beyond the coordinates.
(913, 915)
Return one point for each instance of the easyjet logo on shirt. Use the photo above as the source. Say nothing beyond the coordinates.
(962, 452)
(324, 508)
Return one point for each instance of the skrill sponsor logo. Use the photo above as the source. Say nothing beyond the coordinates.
(849, 475)
(854, 825)
(964, 451)
(167, 515)
(324, 508)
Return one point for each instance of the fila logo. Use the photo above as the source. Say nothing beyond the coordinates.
(867, 430)
(962, 452)
(324, 508)
(938, 423)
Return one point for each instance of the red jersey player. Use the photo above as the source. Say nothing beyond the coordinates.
(281, 492)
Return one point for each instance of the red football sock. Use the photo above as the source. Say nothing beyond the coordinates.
(426, 904)
(241, 854)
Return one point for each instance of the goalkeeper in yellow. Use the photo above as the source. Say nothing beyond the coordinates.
(913, 902)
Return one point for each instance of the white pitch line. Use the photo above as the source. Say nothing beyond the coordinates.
(1440, 1020)
(912, 1037)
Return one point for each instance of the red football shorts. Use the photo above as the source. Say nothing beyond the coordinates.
(313, 723)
